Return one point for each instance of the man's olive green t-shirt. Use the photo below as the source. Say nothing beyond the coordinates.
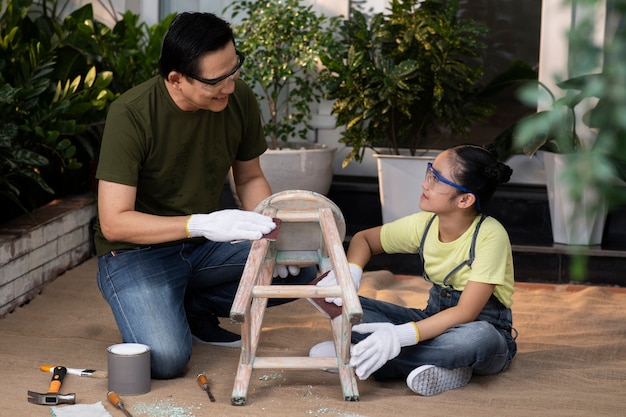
(178, 160)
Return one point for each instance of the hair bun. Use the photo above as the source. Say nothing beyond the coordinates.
(499, 172)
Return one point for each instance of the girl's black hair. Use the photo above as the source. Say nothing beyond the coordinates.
(478, 169)
(190, 36)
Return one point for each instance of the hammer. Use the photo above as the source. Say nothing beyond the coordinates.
(52, 397)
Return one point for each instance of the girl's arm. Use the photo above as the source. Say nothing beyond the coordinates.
(363, 245)
(472, 301)
(367, 243)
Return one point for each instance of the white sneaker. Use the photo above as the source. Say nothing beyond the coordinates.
(430, 380)
(324, 349)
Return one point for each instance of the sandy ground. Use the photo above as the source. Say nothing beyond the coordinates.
(571, 359)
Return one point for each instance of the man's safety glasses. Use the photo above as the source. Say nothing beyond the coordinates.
(231, 75)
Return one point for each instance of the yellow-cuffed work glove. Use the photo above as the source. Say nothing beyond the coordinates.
(382, 345)
(227, 225)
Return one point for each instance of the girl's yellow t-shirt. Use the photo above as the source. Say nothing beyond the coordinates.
(493, 262)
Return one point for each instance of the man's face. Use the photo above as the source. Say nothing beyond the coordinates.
(205, 94)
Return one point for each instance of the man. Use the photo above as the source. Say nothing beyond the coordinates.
(169, 261)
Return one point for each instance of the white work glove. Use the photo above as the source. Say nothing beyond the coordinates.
(284, 270)
(227, 225)
(382, 345)
(329, 280)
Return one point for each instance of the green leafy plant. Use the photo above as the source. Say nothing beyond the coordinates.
(49, 101)
(17, 164)
(282, 41)
(552, 130)
(600, 87)
(130, 50)
(597, 89)
(405, 74)
(57, 77)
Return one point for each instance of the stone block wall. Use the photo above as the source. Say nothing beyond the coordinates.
(36, 248)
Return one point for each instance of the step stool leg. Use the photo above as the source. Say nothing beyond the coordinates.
(341, 336)
(250, 335)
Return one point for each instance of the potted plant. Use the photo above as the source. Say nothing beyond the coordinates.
(555, 133)
(580, 132)
(282, 41)
(52, 103)
(406, 77)
(57, 76)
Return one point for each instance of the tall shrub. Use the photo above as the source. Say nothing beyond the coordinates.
(52, 101)
(57, 78)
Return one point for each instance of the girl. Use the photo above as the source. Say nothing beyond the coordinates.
(466, 327)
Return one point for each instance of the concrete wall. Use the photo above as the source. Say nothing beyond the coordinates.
(36, 249)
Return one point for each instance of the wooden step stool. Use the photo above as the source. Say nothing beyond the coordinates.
(311, 233)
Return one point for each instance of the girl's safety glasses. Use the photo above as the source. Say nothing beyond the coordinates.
(437, 183)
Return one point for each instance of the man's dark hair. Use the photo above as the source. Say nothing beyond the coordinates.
(190, 36)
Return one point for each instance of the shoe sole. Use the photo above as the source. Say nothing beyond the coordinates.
(233, 344)
(430, 380)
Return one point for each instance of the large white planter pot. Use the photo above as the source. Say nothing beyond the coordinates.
(297, 167)
(527, 170)
(400, 182)
(571, 224)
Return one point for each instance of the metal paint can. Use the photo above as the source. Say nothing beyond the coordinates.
(129, 368)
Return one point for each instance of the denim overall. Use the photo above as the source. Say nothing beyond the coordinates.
(486, 344)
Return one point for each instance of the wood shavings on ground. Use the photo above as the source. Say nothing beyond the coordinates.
(329, 411)
(163, 409)
(275, 375)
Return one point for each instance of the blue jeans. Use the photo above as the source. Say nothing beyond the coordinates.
(486, 345)
(152, 289)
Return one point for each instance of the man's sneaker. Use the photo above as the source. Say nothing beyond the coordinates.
(430, 380)
(206, 330)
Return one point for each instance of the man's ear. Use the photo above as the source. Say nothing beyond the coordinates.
(174, 78)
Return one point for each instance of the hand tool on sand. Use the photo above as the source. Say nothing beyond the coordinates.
(92, 373)
(117, 402)
(204, 384)
(53, 397)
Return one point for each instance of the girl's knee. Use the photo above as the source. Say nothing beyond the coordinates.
(492, 353)
(482, 330)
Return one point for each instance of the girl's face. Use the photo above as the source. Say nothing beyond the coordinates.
(438, 195)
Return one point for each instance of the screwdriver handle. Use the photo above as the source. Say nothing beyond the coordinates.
(114, 399)
(117, 402)
(203, 381)
(204, 384)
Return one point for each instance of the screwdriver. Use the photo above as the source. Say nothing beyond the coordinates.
(204, 384)
(117, 402)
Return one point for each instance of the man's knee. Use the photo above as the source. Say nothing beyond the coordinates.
(168, 364)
